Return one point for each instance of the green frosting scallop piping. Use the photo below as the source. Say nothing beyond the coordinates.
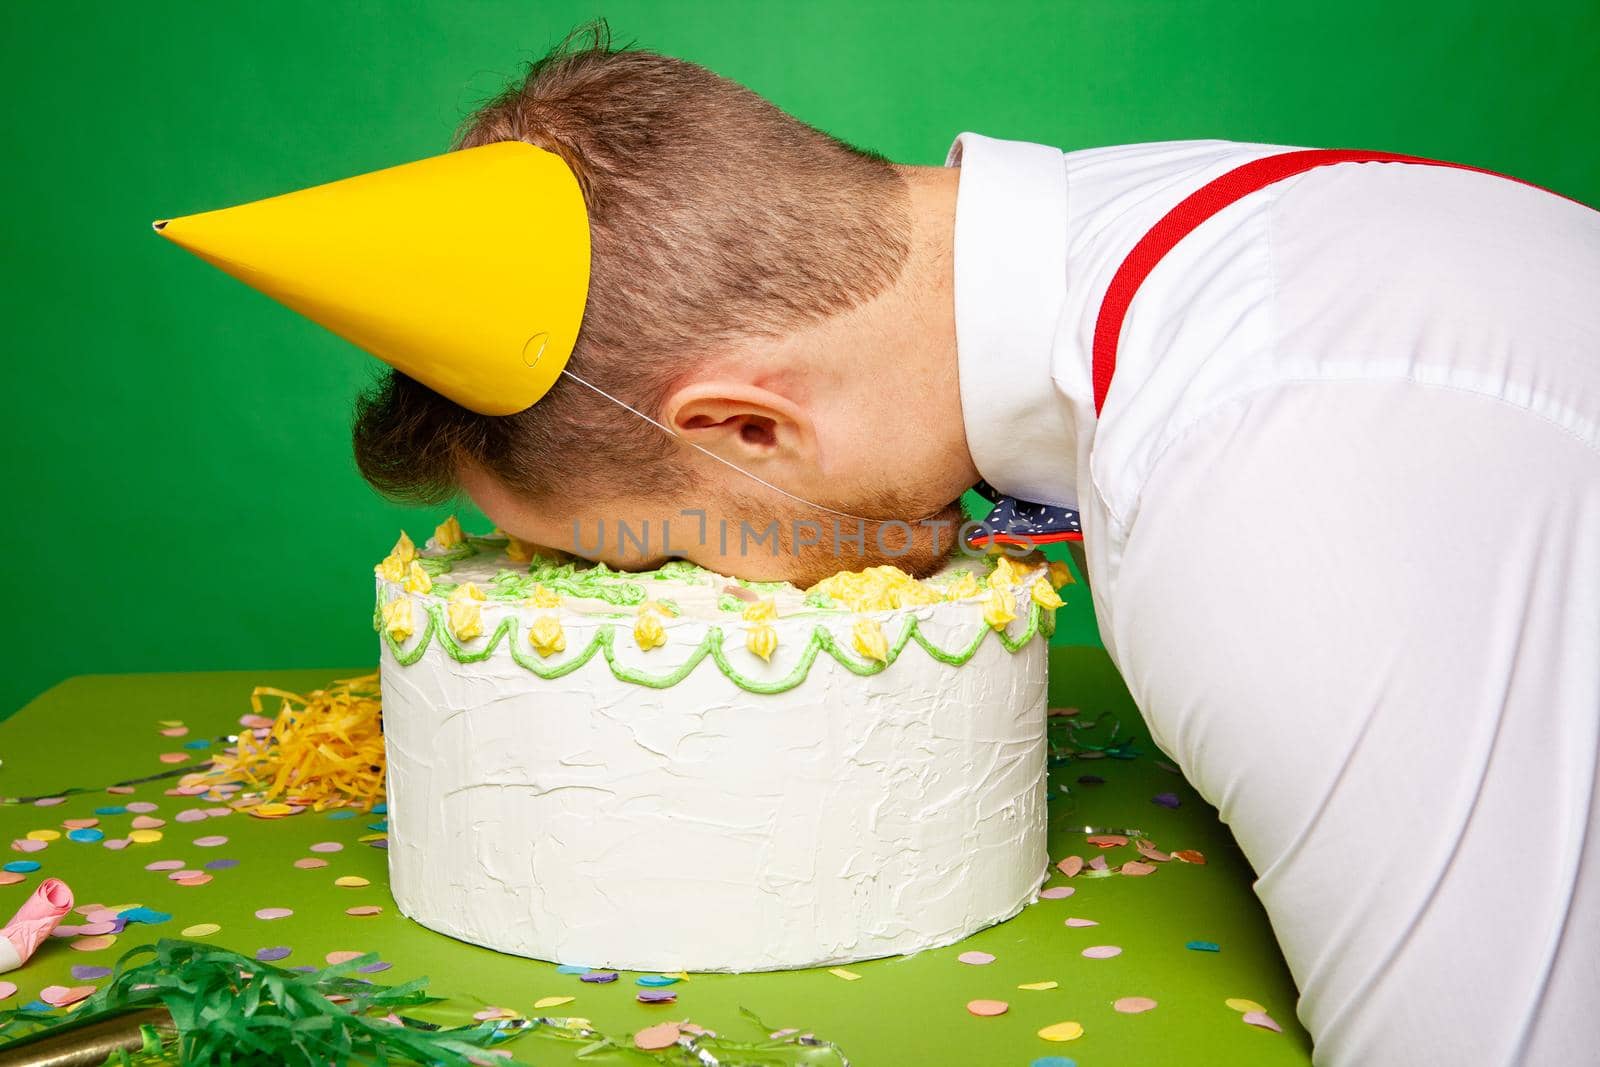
(1039, 621)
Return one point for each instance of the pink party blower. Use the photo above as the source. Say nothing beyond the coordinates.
(39, 915)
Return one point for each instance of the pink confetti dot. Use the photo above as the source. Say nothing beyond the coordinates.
(115, 844)
(1076, 922)
(175, 731)
(79, 824)
(211, 841)
(217, 813)
(164, 865)
(28, 845)
(1057, 892)
(119, 790)
(101, 927)
(48, 802)
(274, 913)
(1263, 1020)
(147, 822)
(176, 875)
(342, 956)
(1101, 952)
(976, 959)
(173, 757)
(11, 877)
(310, 863)
(190, 815)
(7, 990)
(327, 846)
(140, 807)
(988, 1007)
(1133, 1005)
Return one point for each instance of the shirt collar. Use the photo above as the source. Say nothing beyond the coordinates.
(1010, 287)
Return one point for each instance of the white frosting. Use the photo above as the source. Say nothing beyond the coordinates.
(589, 820)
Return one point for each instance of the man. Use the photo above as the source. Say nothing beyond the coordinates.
(1332, 423)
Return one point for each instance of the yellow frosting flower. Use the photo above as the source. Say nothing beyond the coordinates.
(398, 619)
(664, 610)
(998, 608)
(648, 631)
(518, 550)
(762, 639)
(448, 533)
(1060, 574)
(962, 587)
(763, 610)
(1044, 595)
(466, 591)
(417, 580)
(546, 635)
(877, 589)
(869, 640)
(466, 618)
(541, 597)
(392, 569)
(1007, 572)
(404, 548)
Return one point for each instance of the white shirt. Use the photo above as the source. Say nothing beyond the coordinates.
(1341, 512)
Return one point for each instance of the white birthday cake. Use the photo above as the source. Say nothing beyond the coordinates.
(673, 770)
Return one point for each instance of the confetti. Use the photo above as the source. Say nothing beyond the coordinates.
(164, 865)
(100, 926)
(1053, 1061)
(147, 822)
(25, 845)
(174, 731)
(1203, 946)
(274, 810)
(1098, 863)
(1038, 986)
(148, 916)
(59, 996)
(1076, 922)
(572, 968)
(840, 972)
(44, 835)
(197, 878)
(976, 959)
(546, 1002)
(351, 881)
(327, 846)
(1070, 866)
(110, 809)
(1241, 1004)
(656, 996)
(191, 815)
(1189, 855)
(116, 844)
(598, 977)
(1263, 1020)
(119, 790)
(1106, 840)
(274, 913)
(7, 990)
(10, 878)
(341, 813)
(310, 863)
(1101, 952)
(221, 865)
(94, 943)
(362, 910)
(346, 955)
(657, 1037)
(144, 837)
(79, 824)
(1166, 800)
(1150, 852)
(656, 980)
(1090, 779)
(1068, 1031)
(1057, 892)
(1135, 869)
(210, 841)
(85, 834)
(1133, 1005)
(89, 972)
(22, 866)
(200, 930)
(48, 802)
(273, 954)
(173, 757)
(988, 1007)
(141, 807)
(373, 968)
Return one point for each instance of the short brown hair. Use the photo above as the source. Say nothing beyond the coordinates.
(714, 217)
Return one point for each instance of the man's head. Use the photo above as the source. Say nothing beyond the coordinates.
(759, 287)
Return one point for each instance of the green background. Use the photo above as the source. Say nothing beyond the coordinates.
(180, 489)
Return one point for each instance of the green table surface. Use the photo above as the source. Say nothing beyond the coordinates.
(97, 730)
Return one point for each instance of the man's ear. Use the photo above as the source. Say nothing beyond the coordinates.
(742, 422)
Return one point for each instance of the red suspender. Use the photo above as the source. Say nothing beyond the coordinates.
(1201, 205)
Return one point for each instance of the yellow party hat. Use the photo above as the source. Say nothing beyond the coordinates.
(467, 271)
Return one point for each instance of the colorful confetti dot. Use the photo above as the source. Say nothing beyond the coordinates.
(164, 865)
(191, 815)
(110, 809)
(310, 863)
(657, 1037)
(1241, 1004)
(840, 972)
(221, 865)
(85, 834)
(342, 956)
(274, 913)
(1070, 866)
(7, 990)
(140, 807)
(89, 972)
(1133, 1005)
(1262, 1020)
(373, 968)
(210, 841)
(148, 916)
(144, 837)
(1077, 923)
(351, 881)
(1189, 855)
(200, 930)
(11, 878)
(988, 1007)
(362, 910)
(25, 845)
(1057, 892)
(273, 954)
(1053, 1061)
(94, 943)
(1038, 986)
(22, 866)
(192, 879)
(976, 959)
(147, 822)
(1101, 952)
(44, 835)
(656, 996)
(553, 1002)
(327, 846)
(1067, 1031)
(59, 996)
(598, 977)
(1166, 800)
(1203, 946)
(571, 968)
(1136, 869)
(656, 980)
